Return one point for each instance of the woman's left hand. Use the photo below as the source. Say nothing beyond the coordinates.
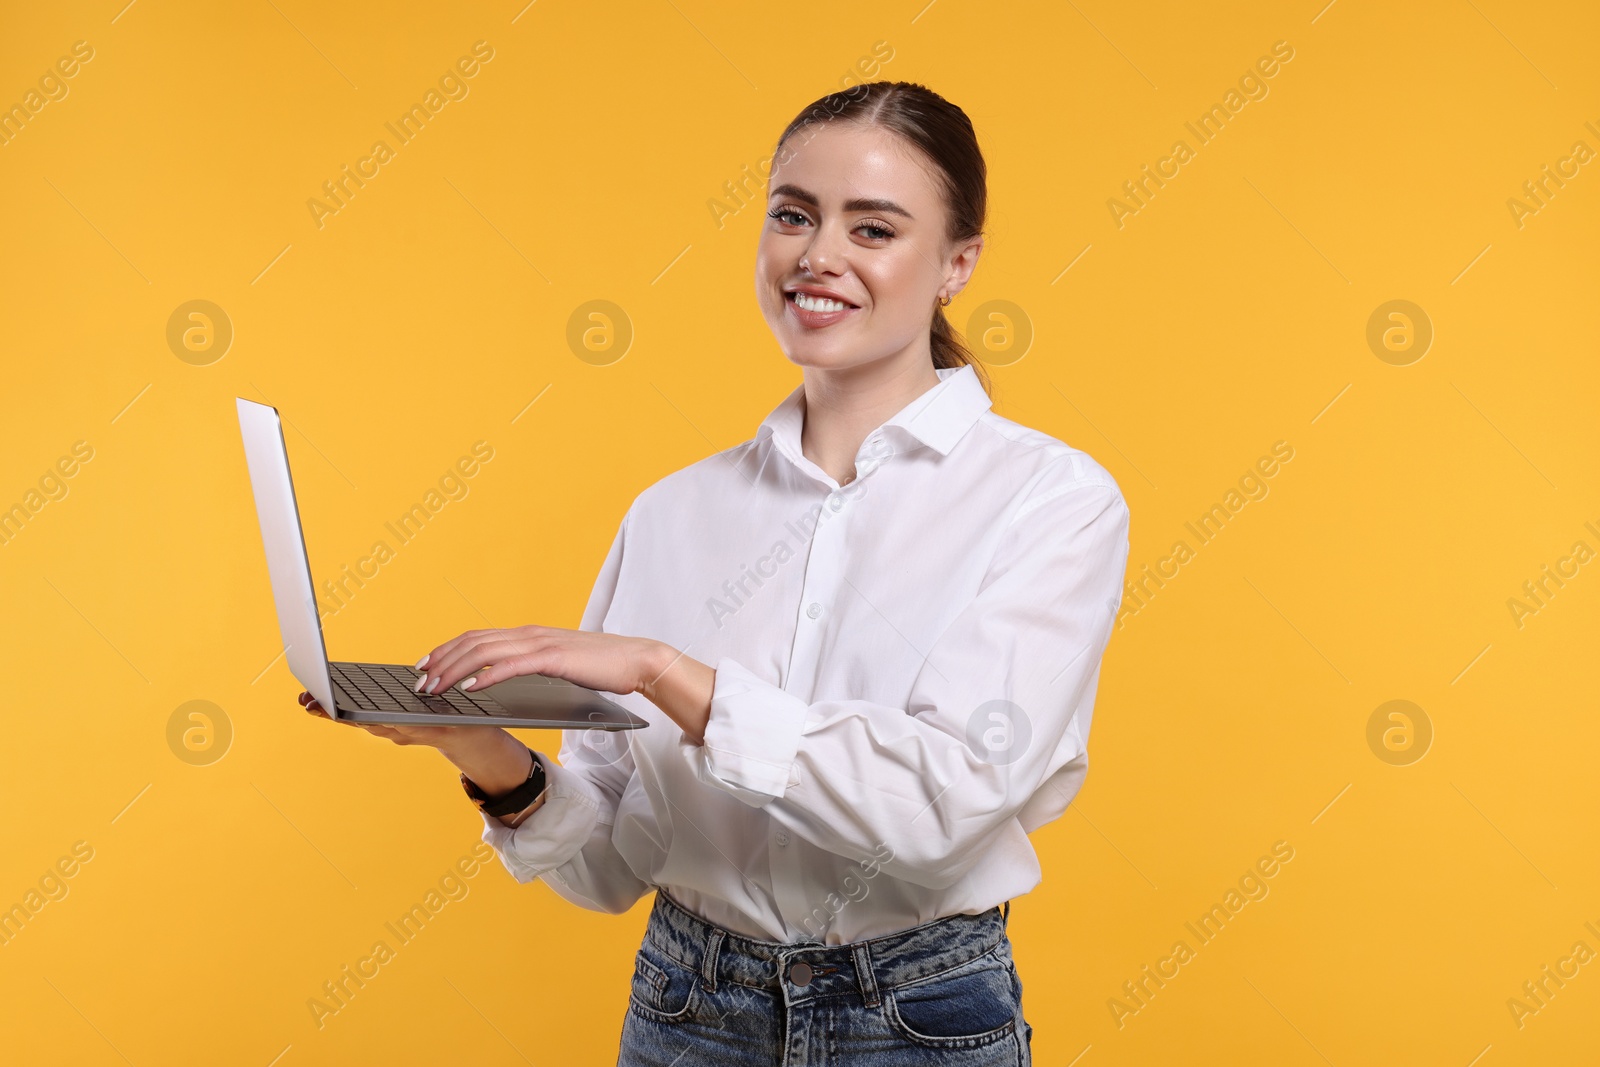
(609, 663)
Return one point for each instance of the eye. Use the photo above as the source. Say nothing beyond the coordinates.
(789, 216)
(783, 213)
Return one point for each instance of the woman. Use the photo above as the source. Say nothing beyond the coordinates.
(867, 641)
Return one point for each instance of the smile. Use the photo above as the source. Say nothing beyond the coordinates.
(818, 312)
(818, 303)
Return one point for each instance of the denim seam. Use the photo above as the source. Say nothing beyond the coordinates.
(935, 974)
(983, 1040)
(696, 970)
(914, 929)
(882, 989)
(730, 941)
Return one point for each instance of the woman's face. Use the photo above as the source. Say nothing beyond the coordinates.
(857, 212)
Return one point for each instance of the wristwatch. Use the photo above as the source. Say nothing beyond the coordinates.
(512, 808)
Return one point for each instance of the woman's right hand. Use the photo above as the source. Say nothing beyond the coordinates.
(488, 755)
(434, 736)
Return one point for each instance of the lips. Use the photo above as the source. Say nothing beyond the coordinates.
(813, 320)
(817, 291)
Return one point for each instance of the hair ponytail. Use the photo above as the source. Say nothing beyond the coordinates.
(949, 350)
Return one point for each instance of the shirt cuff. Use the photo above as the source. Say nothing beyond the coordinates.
(751, 736)
(555, 833)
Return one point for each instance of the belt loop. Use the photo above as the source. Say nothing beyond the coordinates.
(708, 965)
(1005, 913)
(864, 975)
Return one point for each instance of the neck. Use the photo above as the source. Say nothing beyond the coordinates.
(842, 406)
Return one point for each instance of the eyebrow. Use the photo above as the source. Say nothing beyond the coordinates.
(887, 207)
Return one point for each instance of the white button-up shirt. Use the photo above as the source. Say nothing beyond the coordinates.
(905, 674)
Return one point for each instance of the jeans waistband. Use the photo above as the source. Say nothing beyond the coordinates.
(867, 966)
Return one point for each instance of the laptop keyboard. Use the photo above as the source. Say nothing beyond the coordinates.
(387, 687)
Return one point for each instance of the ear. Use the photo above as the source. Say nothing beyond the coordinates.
(963, 259)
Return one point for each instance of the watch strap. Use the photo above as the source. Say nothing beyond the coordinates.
(515, 802)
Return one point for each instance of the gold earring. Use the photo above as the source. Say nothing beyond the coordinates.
(944, 301)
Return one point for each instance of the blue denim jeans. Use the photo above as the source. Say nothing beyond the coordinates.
(945, 992)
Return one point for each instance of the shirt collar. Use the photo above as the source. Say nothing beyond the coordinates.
(938, 418)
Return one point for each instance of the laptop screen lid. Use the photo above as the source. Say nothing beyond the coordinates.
(299, 625)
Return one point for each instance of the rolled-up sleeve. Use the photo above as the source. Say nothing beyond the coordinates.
(568, 841)
(999, 711)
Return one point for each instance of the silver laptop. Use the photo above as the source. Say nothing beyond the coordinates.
(382, 692)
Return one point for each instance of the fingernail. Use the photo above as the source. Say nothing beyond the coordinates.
(418, 687)
(423, 662)
(434, 684)
(470, 682)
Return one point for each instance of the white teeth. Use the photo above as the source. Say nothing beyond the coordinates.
(818, 303)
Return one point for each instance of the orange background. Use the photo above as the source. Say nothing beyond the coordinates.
(1228, 313)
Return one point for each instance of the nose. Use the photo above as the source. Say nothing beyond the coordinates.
(825, 253)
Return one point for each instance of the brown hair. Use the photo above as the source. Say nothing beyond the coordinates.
(944, 134)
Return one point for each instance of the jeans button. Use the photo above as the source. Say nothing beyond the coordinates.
(800, 974)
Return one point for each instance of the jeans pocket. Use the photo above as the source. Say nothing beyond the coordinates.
(975, 1004)
(663, 990)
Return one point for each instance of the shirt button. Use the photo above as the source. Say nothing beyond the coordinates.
(783, 839)
(814, 610)
(800, 974)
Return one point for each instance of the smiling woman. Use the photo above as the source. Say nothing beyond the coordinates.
(844, 136)
(911, 697)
